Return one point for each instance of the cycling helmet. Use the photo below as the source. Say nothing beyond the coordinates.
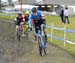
(27, 12)
(19, 13)
(34, 10)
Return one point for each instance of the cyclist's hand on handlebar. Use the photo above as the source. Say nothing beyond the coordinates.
(14, 22)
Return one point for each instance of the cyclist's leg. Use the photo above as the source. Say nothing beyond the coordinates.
(42, 25)
(22, 27)
(43, 30)
(17, 27)
(27, 26)
(37, 27)
(35, 33)
(22, 23)
(45, 41)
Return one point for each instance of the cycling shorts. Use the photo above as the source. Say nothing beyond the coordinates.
(37, 25)
(26, 20)
(19, 22)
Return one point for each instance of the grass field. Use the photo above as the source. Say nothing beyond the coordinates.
(6, 16)
(56, 21)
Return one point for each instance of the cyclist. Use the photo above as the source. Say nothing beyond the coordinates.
(26, 16)
(19, 21)
(37, 18)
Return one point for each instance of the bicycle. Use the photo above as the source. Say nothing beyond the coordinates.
(42, 42)
(19, 32)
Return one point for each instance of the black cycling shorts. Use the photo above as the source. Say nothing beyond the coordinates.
(37, 25)
(18, 22)
(26, 19)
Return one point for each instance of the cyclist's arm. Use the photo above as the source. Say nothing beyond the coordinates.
(15, 20)
(43, 18)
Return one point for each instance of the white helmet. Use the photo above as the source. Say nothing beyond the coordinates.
(19, 13)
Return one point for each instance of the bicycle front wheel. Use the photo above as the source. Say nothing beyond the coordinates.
(19, 34)
(41, 49)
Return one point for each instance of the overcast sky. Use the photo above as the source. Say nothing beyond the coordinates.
(17, 0)
(38, 0)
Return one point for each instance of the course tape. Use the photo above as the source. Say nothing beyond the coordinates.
(59, 38)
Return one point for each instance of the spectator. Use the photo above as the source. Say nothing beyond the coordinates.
(62, 15)
(66, 14)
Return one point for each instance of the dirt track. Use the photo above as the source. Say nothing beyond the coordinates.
(12, 51)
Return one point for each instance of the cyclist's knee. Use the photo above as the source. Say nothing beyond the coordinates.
(21, 23)
(43, 29)
(42, 25)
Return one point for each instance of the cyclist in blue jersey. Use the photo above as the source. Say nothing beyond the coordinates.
(37, 19)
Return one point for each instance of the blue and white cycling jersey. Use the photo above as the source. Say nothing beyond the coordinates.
(37, 17)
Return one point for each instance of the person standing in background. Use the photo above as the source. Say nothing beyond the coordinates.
(66, 14)
(62, 15)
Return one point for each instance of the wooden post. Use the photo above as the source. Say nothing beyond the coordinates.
(21, 5)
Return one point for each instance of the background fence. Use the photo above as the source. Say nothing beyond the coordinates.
(52, 27)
